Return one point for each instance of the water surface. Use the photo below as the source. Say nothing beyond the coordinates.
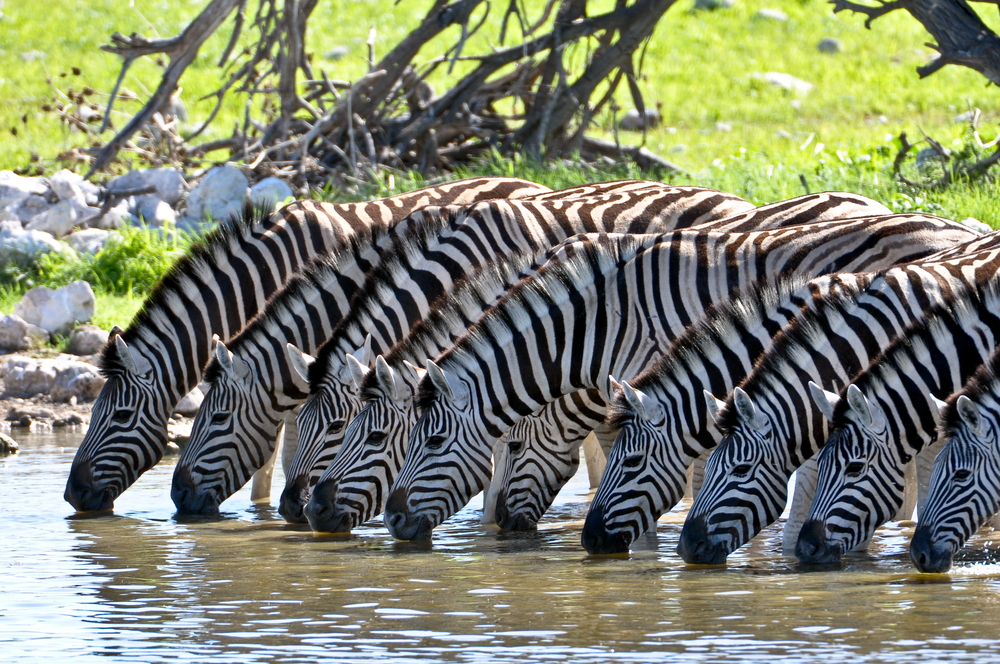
(147, 585)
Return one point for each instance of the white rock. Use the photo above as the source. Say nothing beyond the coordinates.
(785, 81)
(7, 444)
(86, 340)
(830, 45)
(929, 159)
(24, 209)
(976, 225)
(57, 310)
(964, 118)
(219, 195)
(63, 217)
(31, 378)
(152, 211)
(83, 383)
(188, 406)
(169, 183)
(336, 53)
(21, 246)
(89, 241)
(772, 14)
(62, 377)
(14, 187)
(713, 4)
(67, 185)
(31, 56)
(723, 126)
(632, 121)
(270, 190)
(115, 217)
(16, 334)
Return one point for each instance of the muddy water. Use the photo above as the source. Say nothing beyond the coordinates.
(145, 585)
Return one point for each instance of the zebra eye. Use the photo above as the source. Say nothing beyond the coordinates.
(122, 416)
(220, 417)
(633, 460)
(962, 475)
(376, 438)
(854, 468)
(515, 446)
(741, 470)
(435, 442)
(335, 427)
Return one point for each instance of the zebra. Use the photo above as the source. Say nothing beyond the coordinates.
(254, 391)
(334, 399)
(885, 417)
(964, 489)
(221, 284)
(771, 427)
(571, 326)
(658, 415)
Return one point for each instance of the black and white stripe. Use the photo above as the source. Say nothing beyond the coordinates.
(214, 291)
(610, 312)
(885, 417)
(771, 426)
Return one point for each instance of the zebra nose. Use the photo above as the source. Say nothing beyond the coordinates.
(813, 546)
(81, 492)
(596, 539)
(502, 513)
(186, 496)
(694, 546)
(925, 556)
(320, 509)
(395, 513)
(293, 499)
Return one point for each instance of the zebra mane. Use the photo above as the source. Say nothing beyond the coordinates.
(794, 341)
(477, 291)
(205, 255)
(983, 383)
(720, 325)
(966, 307)
(554, 283)
(281, 305)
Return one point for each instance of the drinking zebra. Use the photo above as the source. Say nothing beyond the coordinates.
(771, 426)
(214, 291)
(885, 417)
(254, 384)
(964, 489)
(572, 325)
(334, 397)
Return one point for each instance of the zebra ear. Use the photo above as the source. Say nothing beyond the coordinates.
(937, 406)
(356, 369)
(364, 354)
(714, 405)
(613, 386)
(969, 412)
(859, 405)
(439, 379)
(116, 331)
(386, 378)
(745, 409)
(225, 360)
(634, 400)
(134, 364)
(420, 372)
(300, 361)
(825, 401)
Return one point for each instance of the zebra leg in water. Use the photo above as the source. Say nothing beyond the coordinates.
(221, 284)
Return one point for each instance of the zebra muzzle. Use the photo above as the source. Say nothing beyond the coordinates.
(82, 493)
(596, 538)
(814, 547)
(322, 512)
(925, 555)
(293, 501)
(696, 546)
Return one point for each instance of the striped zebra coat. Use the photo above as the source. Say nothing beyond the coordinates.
(770, 424)
(254, 384)
(571, 326)
(334, 397)
(886, 416)
(964, 489)
(214, 291)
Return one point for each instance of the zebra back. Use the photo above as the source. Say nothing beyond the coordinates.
(506, 367)
(771, 426)
(885, 417)
(221, 284)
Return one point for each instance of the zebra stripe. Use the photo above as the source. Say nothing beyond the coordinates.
(964, 489)
(885, 417)
(215, 290)
(611, 312)
(334, 401)
(233, 434)
(771, 427)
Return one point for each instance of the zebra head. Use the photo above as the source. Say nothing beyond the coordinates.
(860, 481)
(232, 436)
(448, 459)
(745, 485)
(127, 434)
(541, 453)
(354, 488)
(334, 400)
(964, 490)
(642, 478)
